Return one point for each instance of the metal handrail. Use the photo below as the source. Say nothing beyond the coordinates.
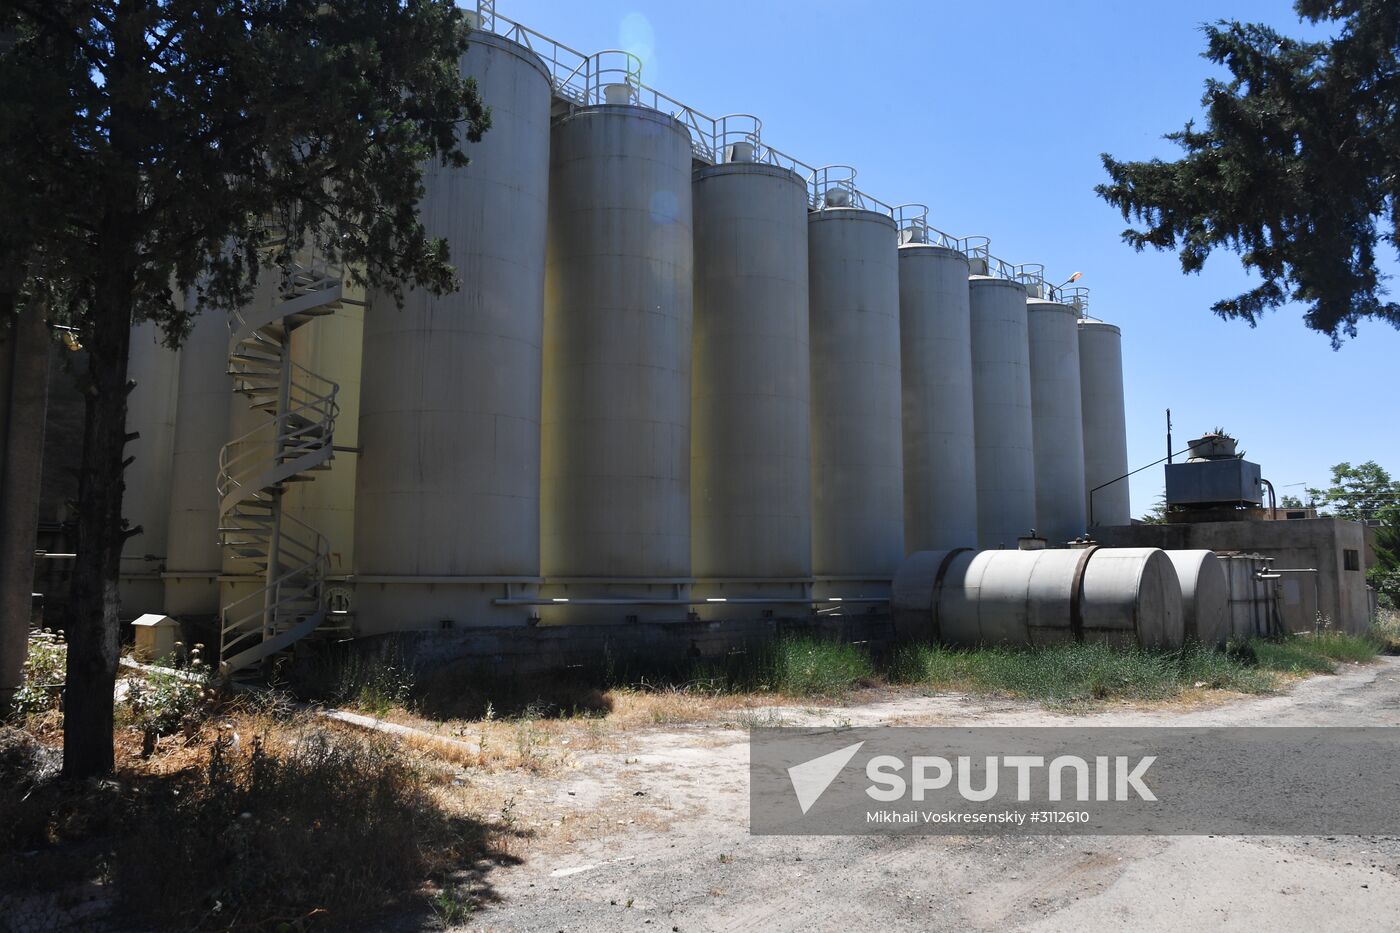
(575, 78)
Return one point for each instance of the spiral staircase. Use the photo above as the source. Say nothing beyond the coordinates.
(291, 557)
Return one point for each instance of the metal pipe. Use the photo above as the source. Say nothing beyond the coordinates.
(740, 600)
(1273, 500)
(1123, 477)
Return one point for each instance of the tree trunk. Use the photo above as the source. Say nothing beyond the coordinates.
(26, 371)
(93, 601)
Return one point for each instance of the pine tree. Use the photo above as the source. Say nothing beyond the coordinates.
(1296, 169)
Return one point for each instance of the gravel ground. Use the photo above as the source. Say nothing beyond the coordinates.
(677, 854)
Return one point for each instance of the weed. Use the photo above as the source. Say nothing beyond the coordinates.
(297, 822)
(453, 906)
(163, 702)
(45, 669)
(1075, 673)
(817, 667)
(1385, 629)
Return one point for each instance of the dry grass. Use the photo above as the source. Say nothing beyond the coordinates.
(252, 821)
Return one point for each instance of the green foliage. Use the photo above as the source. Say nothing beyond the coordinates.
(161, 702)
(1367, 492)
(194, 122)
(1359, 493)
(155, 148)
(1290, 502)
(1157, 515)
(43, 674)
(1297, 168)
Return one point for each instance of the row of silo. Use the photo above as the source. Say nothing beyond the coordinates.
(663, 382)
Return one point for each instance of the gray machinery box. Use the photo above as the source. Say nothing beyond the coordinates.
(1207, 482)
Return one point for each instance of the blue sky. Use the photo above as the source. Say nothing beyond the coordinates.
(994, 114)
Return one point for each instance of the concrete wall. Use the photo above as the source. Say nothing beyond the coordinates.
(524, 651)
(1318, 543)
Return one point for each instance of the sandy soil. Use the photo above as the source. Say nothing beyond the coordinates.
(648, 831)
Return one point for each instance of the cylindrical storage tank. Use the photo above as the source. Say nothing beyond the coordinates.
(193, 556)
(1205, 596)
(750, 452)
(1118, 596)
(447, 485)
(1105, 424)
(857, 451)
(935, 338)
(150, 414)
(1057, 423)
(615, 429)
(330, 347)
(1001, 403)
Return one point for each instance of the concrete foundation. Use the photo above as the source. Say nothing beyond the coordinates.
(1316, 585)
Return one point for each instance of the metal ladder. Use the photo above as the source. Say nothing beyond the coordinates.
(256, 468)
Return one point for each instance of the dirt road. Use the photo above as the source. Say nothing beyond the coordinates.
(681, 858)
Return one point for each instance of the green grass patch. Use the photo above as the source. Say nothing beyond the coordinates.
(813, 667)
(1075, 673)
(1307, 653)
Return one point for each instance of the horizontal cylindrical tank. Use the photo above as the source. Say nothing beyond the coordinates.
(193, 555)
(750, 460)
(935, 338)
(1205, 596)
(1105, 423)
(857, 450)
(447, 487)
(150, 414)
(1056, 420)
(1001, 399)
(1119, 596)
(618, 308)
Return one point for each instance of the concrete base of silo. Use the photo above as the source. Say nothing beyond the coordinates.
(382, 604)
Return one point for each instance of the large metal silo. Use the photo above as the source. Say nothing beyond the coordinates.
(1001, 393)
(940, 467)
(615, 427)
(330, 347)
(1057, 420)
(750, 460)
(1105, 423)
(857, 451)
(447, 486)
(150, 414)
(193, 555)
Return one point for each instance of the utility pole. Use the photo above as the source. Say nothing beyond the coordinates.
(1169, 435)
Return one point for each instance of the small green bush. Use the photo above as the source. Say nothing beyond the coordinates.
(45, 669)
(163, 702)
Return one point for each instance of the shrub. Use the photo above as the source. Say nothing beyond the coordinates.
(161, 702)
(45, 670)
